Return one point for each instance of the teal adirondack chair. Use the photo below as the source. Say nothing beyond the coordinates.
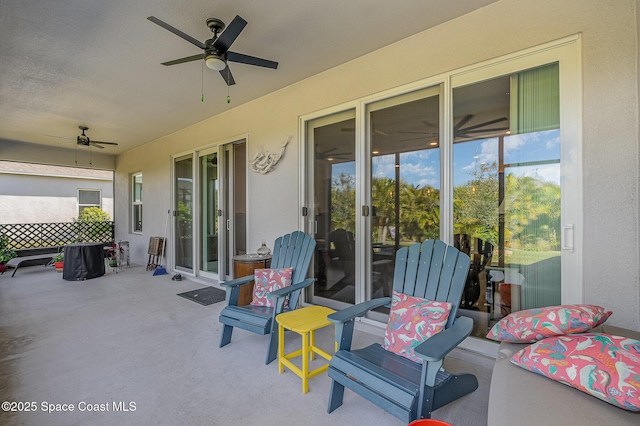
(291, 250)
(404, 388)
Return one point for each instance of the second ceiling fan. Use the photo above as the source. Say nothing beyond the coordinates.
(216, 49)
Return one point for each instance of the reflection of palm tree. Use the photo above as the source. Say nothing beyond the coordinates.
(533, 210)
(476, 204)
(343, 202)
(419, 212)
(382, 191)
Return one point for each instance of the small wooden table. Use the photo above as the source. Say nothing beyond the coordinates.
(304, 321)
(243, 265)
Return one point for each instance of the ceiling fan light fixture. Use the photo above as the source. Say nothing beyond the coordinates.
(215, 62)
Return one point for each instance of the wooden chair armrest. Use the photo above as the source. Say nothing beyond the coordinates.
(290, 289)
(237, 281)
(438, 346)
(358, 310)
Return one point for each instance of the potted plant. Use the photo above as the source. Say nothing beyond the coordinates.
(112, 254)
(6, 254)
(58, 261)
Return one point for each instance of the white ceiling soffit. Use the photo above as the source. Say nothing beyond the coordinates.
(67, 63)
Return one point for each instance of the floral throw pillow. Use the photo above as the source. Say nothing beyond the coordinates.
(413, 320)
(268, 280)
(602, 365)
(532, 325)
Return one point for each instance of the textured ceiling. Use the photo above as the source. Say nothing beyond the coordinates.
(97, 62)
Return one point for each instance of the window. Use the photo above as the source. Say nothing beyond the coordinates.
(89, 198)
(136, 203)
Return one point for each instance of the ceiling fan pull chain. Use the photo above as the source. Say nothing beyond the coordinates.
(228, 97)
(202, 97)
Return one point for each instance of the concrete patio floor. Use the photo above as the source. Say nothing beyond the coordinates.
(126, 338)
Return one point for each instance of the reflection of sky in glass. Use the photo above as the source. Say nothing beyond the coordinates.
(420, 168)
(348, 168)
(423, 167)
(536, 146)
(528, 147)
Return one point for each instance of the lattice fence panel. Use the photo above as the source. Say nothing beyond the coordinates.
(38, 235)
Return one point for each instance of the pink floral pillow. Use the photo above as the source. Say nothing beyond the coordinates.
(602, 365)
(413, 320)
(268, 280)
(535, 324)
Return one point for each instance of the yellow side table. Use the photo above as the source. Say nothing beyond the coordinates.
(304, 321)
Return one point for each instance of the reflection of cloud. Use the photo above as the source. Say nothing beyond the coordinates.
(554, 142)
(515, 142)
(427, 182)
(420, 155)
(532, 146)
(546, 172)
(384, 166)
(488, 151)
(414, 166)
(417, 169)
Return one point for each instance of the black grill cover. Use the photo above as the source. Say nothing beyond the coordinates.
(83, 261)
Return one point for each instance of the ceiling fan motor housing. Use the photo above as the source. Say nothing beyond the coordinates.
(215, 25)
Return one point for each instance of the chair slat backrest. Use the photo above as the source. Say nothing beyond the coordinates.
(294, 250)
(434, 271)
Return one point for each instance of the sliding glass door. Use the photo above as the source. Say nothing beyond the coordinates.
(507, 192)
(333, 180)
(183, 213)
(403, 133)
(209, 210)
(397, 175)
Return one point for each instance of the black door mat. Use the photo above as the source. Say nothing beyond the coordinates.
(205, 296)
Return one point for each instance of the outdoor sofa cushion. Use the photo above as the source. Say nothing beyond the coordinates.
(531, 325)
(601, 365)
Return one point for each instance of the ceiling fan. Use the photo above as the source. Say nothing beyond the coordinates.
(331, 155)
(470, 132)
(462, 132)
(83, 140)
(216, 49)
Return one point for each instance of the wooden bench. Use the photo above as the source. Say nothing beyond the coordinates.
(36, 259)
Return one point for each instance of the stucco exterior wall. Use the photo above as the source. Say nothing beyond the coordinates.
(43, 199)
(609, 133)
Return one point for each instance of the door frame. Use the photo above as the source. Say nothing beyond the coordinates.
(227, 186)
(224, 271)
(205, 274)
(565, 51)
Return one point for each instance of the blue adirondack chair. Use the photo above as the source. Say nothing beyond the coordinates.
(291, 250)
(404, 388)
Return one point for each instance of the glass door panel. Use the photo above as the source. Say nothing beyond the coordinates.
(240, 197)
(507, 192)
(209, 224)
(404, 135)
(334, 207)
(232, 221)
(183, 208)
